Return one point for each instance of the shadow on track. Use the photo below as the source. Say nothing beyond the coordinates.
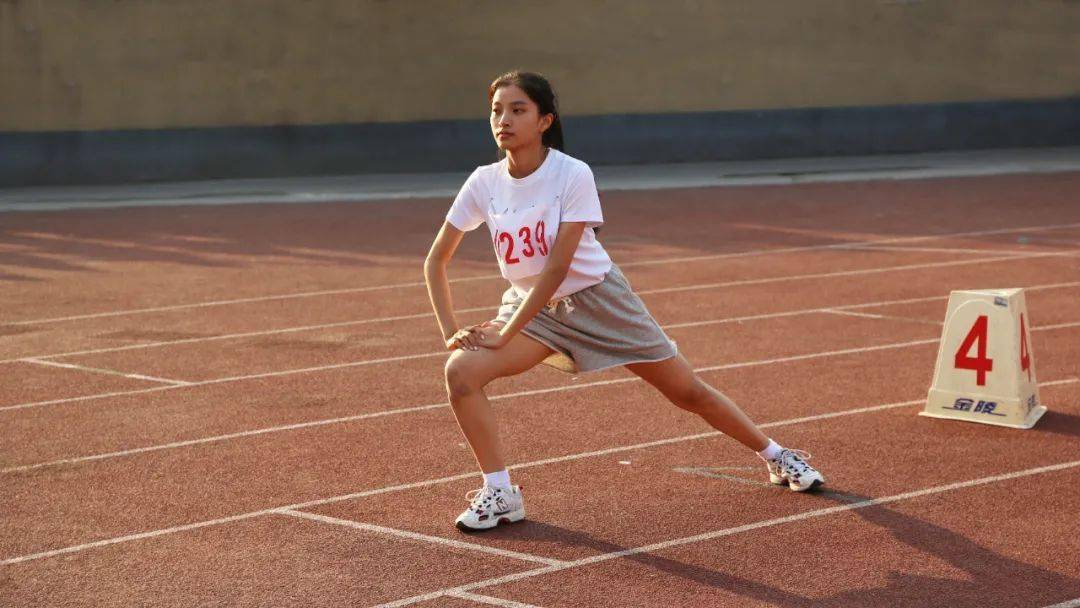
(993, 579)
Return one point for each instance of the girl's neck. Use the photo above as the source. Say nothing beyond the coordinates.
(523, 163)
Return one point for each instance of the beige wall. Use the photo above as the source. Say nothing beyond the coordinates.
(111, 64)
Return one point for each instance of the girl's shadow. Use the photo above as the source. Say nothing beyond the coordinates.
(993, 579)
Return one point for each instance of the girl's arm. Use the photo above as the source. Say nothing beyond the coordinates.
(555, 270)
(438, 286)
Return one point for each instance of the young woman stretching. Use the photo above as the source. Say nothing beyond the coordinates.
(567, 306)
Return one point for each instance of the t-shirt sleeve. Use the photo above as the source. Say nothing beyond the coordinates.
(465, 214)
(580, 201)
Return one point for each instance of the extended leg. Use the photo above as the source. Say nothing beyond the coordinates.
(677, 381)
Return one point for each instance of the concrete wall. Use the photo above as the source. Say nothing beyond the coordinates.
(86, 70)
(79, 65)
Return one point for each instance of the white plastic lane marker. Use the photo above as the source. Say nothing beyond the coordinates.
(111, 372)
(461, 476)
(438, 540)
(759, 525)
(679, 260)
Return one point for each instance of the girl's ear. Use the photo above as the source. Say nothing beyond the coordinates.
(546, 121)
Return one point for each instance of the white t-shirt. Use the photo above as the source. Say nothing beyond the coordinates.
(523, 216)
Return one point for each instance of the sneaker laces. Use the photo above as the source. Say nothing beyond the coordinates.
(480, 498)
(793, 459)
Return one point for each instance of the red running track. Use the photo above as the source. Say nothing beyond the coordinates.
(243, 406)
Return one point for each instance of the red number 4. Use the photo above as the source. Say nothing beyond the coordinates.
(979, 363)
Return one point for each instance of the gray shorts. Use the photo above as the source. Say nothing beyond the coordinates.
(602, 326)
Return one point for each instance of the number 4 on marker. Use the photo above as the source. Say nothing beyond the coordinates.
(979, 363)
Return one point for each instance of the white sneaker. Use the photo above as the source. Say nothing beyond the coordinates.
(490, 506)
(790, 468)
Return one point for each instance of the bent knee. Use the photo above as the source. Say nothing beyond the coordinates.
(463, 376)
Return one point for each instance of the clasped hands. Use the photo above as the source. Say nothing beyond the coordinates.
(475, 337)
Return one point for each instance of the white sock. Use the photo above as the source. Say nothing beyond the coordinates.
(498, 479)
(771, 451)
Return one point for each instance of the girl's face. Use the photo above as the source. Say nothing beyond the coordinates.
(516, 122)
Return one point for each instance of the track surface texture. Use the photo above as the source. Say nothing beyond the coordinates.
(244, 406)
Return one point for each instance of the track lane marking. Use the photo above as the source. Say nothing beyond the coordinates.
(444, 405)
(424, 315)
(759, 525)
(425, 538)
(417, 408)
(939, 249)
(364, 362)
(99, 370)
(461, 476)
(848, 273)
(751, 253)
(487, 599)
(866, 315)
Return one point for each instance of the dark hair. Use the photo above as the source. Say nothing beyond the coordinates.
(539, 90)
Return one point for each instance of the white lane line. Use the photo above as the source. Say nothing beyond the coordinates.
(290, 372)
(99, 370)
(413, 485)
(1058, 326)
(804, 311)
(249, 334)
(851, 244)
(438, 353)
(438, 540)
(715, 473)
(219, 438)
(1046, 241)
(461, 476)
(759, 525)
(849, 273)
(940, 249)
(93, 397)
(487, 599)
(319, 368)
(1067, 604)
(288, 296)
(432, 406)
(866, 315)
(477, 309)
(720, 256)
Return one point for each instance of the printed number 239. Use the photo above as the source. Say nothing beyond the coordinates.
(528, 249)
